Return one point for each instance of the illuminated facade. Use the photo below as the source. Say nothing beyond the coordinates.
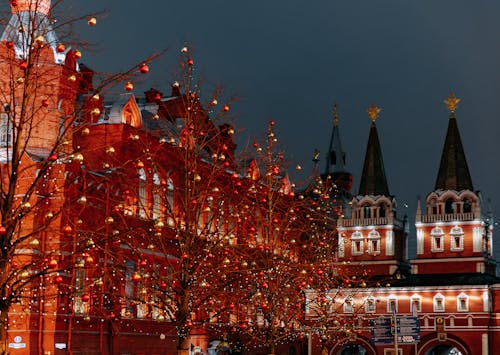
(450, 285)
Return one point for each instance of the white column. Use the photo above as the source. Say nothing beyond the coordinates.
(484, 343)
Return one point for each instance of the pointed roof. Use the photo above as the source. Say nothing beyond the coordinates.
(373, 180)
(453, 170)
(335, 159)
(32, 16)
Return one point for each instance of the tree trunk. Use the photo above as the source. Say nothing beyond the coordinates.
(3, 332)
(183, 346)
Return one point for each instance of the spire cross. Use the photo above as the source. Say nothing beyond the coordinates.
(452, 103)
(373, 111)
(335, 116)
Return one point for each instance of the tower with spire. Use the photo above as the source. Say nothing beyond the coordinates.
(336, 172)
(373, 236)
(38, 79)
(454, 233)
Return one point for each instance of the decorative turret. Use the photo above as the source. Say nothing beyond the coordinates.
(452, 232)
(373, 236)
(30, 24)
(336, 160)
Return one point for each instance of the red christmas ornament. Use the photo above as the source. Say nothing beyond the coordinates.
(52, 263)
(129, 86)
(144, 69)
(45, 103)
(23, 65)
(53, 157)
(272, 123)
(190, 62)
(60, 48)
(58, 279)
(9, 44)
(67, 228)
(3, 230)
(77, 54)
(85, 297)
(13, 3)
(225, 108)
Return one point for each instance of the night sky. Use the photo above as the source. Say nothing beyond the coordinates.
(291, 60)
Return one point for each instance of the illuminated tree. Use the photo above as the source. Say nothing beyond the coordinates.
(40, 83)
(170, 192)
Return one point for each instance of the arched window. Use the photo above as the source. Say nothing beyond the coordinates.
(392, 305)
(349, 305)
(437, 240)
(415, 304)
(156, 197)
(371, 305)
(457, 239)
(439, 303)
(357, 243)
(367, 213)
(142, 193)
(462, 303)
(467, 206)
(374, 242)
(381, 210)
(449, 206)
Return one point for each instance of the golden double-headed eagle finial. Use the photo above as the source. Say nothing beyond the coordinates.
(452, 103)
(373, 111)
(335, 116)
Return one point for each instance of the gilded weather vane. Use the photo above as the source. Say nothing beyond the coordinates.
(373, 112)
(335, 116)
(452, 102)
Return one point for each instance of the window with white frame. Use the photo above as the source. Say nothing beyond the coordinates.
(156, 196)
(439, 303)
(415, 304)
(348, 305)
(357, 243)
(392, 305)
(370, 305)
(462, 303)
(5, 130)
(374, 242)
(437, 239)
(142, 193)
(457, 239)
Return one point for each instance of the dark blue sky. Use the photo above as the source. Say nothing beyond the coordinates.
(291, 60)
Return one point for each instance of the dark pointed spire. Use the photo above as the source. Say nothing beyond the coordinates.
(453, 170)
(335, 159)
(373, 180)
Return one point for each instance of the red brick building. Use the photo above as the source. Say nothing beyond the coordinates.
(450, 286)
